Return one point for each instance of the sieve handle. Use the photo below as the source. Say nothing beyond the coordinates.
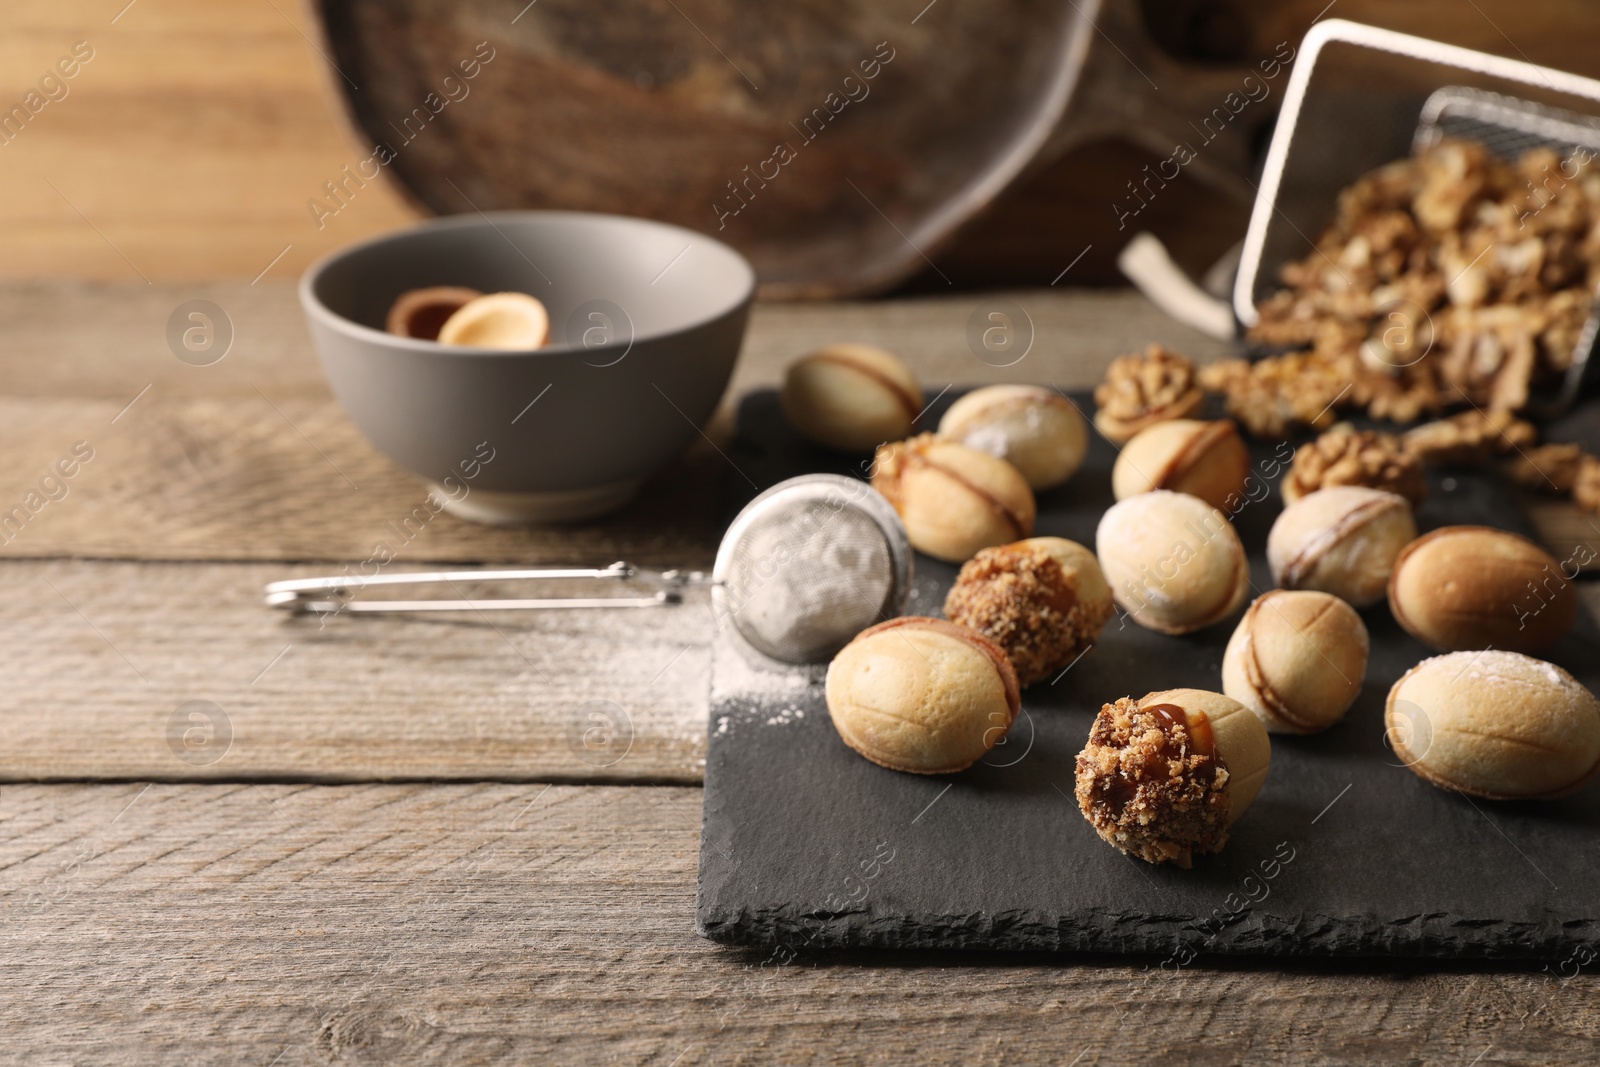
(1145, 262)
(336, 594)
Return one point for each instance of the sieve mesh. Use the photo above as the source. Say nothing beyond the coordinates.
(1510, 126)
(804, 579)
(1507, 125)
(810, 564)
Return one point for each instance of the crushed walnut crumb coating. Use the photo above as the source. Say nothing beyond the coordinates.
(1454, 260)
(1145, 790)
(1018, 597)
(1346, 456)
(1145, 388)
(1470, 438)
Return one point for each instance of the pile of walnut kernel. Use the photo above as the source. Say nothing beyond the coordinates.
(1449, 280)
(1136, 388)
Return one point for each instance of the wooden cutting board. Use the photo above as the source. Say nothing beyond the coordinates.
(837, 143)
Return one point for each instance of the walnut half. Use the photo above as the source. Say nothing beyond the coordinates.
(1549, 469)
(1560, 470)
(1346, 456)
(1143, 389)
(1468, 439)
(1270, 396)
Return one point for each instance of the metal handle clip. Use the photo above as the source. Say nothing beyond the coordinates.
(338, 594)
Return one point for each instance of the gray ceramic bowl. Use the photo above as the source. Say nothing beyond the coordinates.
(646, 320)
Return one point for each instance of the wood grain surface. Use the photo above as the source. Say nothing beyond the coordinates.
(101, 662)
(250, 459)
(291, 924)
(212, 900)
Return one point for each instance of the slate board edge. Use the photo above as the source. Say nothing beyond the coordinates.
(1254, 933)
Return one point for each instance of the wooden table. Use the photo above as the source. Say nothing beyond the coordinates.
(398, 851)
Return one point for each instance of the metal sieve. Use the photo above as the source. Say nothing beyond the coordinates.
(1357, 98)
(809, 564)
(1360, 96)
(803, 568)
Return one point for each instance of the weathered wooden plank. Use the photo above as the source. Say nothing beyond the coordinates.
(249, 459)
(109, 340)
(100, 662)
(99, 659)
(252, 477)
(295, 924)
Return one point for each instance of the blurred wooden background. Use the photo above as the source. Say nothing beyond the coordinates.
(188, 146)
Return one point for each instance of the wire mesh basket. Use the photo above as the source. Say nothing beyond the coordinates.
(1361, 97)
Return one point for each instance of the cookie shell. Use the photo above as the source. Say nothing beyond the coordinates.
(1342, 540)
(1297, 659)
(1460, 588)
(953, 500)
(1204, 459)
(851, 397)
(922, 695)
(1036, 430)
(420, 313)
(505, 322)
(1173, 562)
(1495, 724)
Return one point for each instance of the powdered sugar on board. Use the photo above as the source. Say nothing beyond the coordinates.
(747, 692)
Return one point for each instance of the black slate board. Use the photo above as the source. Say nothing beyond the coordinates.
(808, 846)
